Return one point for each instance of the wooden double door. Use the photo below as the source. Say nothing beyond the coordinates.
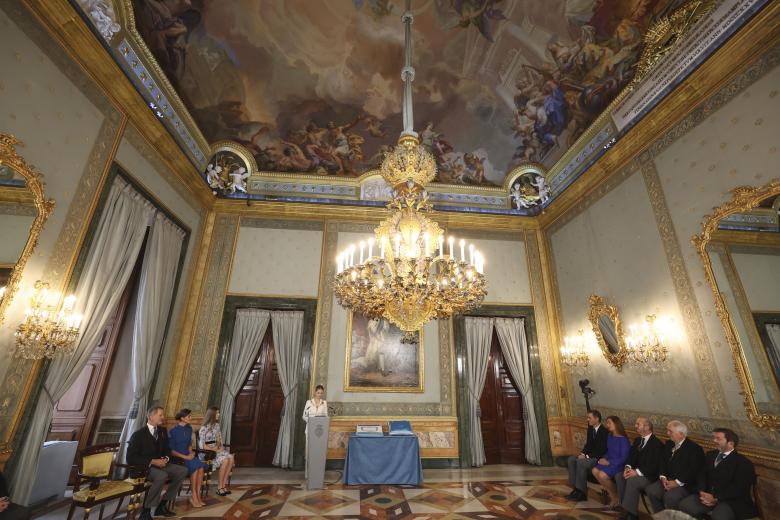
(257, 413)
(501, 406)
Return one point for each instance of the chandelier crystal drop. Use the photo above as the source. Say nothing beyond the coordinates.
(46, 331)
(408, 273)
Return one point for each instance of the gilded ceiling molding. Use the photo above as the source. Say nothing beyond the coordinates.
(267, 223)
(136, 46)
(197, 380)
(701, 90)
(686, 298)
(545, 349)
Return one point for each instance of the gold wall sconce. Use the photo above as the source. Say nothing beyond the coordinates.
(574, 352)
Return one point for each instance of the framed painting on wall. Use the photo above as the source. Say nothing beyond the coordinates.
(377, 361)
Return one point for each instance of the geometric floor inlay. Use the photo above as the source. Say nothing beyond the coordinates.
(515, 492)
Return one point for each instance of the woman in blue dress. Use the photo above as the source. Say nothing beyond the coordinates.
(180, 440)
(614, 460)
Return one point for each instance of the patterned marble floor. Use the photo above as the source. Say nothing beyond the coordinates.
(491, 492)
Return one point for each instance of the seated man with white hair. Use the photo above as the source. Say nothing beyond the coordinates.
(681, 462)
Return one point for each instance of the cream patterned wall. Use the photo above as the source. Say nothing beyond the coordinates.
(623, 261)
(277, 258)
(734, 146)
(730, 140)
(506, 266)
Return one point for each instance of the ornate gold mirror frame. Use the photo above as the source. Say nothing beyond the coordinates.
(44, 207)
(598, 308)
(744, 198)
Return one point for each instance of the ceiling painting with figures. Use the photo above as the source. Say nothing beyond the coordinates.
(314, 87)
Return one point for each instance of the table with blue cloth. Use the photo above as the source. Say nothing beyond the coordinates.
(390, 459)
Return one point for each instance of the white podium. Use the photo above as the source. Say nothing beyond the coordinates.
(316, 451)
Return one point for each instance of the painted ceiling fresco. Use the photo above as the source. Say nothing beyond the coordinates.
(314, 86)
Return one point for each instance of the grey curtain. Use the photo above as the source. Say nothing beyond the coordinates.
(248, 333)
(479, 333)
(108, 267)
(511, 336)
(287, 330)
(153, 308)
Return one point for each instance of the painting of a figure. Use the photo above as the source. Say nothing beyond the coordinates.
(314, 87)
(377, 360)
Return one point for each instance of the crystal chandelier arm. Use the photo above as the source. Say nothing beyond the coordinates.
(407, 73)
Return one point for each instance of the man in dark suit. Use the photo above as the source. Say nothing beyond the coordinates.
(642, 469)
(581, 464)
(681, 463)
(9, 510)
(148, 447)
(724, 483)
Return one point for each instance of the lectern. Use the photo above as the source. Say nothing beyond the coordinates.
(316, 451)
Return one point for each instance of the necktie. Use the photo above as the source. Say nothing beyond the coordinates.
(642, 446)
(156, 435)
(719, 459)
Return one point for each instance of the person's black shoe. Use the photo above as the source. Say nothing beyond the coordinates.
(574, 495)
(162, 510)
(146, 514)
(629, 516)
(581, 497)
(571, 495)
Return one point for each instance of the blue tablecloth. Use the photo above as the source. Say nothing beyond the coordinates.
(391, 459)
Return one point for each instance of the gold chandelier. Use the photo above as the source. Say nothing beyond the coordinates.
(47, 331)
(405, 273)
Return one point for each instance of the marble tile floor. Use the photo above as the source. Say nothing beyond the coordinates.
(490, 492)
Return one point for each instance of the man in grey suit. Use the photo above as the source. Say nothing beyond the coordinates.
(148, 447)
(644, 461)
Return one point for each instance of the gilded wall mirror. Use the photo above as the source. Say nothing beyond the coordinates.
(605, 321)
(740, 250)
(23, 211)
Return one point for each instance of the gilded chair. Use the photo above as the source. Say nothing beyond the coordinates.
(94, 486)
